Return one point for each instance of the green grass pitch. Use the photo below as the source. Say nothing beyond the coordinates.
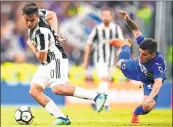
(85, 117)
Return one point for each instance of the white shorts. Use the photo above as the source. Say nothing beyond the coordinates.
(54, 73)
(103, 70)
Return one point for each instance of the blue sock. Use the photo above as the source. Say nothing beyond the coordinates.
(140, 111)
(125, 53)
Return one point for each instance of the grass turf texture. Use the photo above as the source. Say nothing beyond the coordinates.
(85, 117)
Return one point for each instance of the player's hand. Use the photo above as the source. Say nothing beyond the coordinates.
(124, 15)
(32, 46)
(147, 100)
(59, 39)
(29, 42)
(131, 24)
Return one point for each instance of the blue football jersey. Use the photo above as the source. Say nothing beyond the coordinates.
(152, 69)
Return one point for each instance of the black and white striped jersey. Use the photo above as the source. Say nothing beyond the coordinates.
(43, 36)
(100, 37)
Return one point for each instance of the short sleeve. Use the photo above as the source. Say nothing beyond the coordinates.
(43, 12)
(42, 42)
(93, 36)
(159, 71)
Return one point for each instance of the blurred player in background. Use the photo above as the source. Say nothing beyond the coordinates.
(149, 68)
(104, 54)
(53, 71)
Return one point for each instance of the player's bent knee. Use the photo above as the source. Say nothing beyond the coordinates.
(57, 90)
(149, 106)
(35, 90)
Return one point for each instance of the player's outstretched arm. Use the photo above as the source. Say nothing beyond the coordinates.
(53, 21)
(155, 91)
(131, 24)
(156, 88)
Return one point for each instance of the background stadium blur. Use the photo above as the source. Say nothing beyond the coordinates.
(76, 20)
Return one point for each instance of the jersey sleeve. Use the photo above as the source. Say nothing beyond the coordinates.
(42, 42)
(140, 39)
(93, 36)
(159, 70)
(120, 33)
(43, 12)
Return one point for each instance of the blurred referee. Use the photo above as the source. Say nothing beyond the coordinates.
(104, 54)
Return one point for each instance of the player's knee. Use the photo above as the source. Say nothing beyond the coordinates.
(35, 90)
(149, 107)
(57, 90)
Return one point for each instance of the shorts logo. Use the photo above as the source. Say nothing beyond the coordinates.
(124, 66)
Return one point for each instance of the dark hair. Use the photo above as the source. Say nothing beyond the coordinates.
(107, 9)
(30, 8)
(150, 45)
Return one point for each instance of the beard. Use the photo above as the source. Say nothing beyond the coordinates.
(106, 22)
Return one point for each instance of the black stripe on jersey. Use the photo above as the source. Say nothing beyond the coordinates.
(104, 52)
(116, 30)
(31, 32)
(43, 23)
(42, 41)
(49, 37)
(38, 32)
(61, 49)
(97, 40)
(110, 48)
(110, 35)
(43, 11)
(103, 34)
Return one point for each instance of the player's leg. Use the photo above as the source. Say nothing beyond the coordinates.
(144, 109)
(70, 90)
(124, 46)
(36, 91)
(120, 42)
(103, 87)
(60, 87)
(38, 84)
(127, 65)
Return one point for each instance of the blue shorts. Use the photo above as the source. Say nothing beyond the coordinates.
(131, 70)
(147, 90)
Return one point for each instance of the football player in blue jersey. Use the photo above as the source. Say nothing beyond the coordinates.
(149, 68)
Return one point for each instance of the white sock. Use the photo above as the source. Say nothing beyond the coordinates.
(84, 94)
(53, 109)
(103, 88)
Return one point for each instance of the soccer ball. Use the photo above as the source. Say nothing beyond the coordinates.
(24, 115)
